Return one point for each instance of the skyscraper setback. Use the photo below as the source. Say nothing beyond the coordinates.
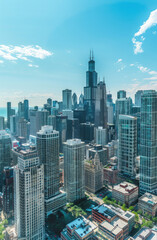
(90, 90)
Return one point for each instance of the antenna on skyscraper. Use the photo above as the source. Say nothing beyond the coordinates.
(92, 55)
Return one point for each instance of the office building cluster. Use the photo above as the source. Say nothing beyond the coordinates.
(58, 153)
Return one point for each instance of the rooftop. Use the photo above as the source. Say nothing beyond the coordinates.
(146, 234)
(82, 226)
(125, 187)
(105, 210)
(149, 198)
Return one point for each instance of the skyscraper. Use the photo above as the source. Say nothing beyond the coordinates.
(2, 123)
(37, 120)
(48, 151)
(8, 192)
(148, 142)
(90, 90)
(74, 100)
(5, 153)
(26, 109)
(121, 94)
(127, 152)
(123, 106)
(138, 95)
(61, 126)
(101, 136)
(29, 196)
(8, 113)
(67, 99)
(74, 151)
(101, 106)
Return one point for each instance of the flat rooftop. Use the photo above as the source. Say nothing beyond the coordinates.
(82, 226)
(105, 211)
(146, 233)
(125, 187)
(149, 198)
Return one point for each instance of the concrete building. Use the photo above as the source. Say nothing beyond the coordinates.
(148, 143)
(29, 196)
(48, 151)
(108, 213)
(80, 229)
(101, 136)
(148, 204)
(127, 147)
(74, 101)
(125, 193)
(67, 99)
(5, 153)
(146, 234)
(73, 128)
(93, 174)
(74, 184)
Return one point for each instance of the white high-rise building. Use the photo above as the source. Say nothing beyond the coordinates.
(29, 196)
(101, 136)
(127, 147)
(48, 151)
(74, 182)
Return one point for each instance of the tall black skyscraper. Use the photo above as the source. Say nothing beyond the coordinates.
(90, 90)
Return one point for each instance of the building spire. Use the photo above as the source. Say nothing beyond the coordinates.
(90, 56)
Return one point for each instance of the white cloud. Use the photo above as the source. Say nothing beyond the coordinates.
(151, 78)
(132, 65)
(153, 73)
(23, 52)
(151, 21)
(1, 61)
(33, 65)
(119, 60)
(137, 46)
(143, 69)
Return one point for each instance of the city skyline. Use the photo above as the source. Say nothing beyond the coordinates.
(44, 42)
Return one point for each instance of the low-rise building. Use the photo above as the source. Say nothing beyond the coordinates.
(117, 229)
(80, 228)
(109, 213)
(146, 234)
(125, 193)
(148, 204)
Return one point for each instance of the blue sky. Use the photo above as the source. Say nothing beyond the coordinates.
(44, 46)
